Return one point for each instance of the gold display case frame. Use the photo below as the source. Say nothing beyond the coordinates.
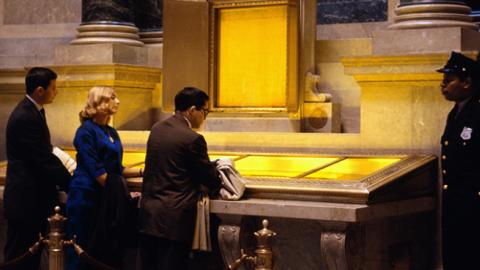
(291, 77)
(410, 177)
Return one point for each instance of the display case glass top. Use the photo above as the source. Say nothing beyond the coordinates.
(353, 168)
(365, 179)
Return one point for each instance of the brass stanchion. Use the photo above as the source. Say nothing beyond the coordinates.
(56, 247)
(55, 241)
(264, 255)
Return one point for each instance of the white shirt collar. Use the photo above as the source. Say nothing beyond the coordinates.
(188, 122)
(39, 107)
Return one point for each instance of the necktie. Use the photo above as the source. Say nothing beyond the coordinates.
(42, 112)
(47, 132)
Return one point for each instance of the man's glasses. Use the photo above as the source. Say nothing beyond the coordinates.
(205, 111)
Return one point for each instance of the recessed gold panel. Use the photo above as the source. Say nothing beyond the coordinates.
(280, 166)
(252, 56)
(353, 168)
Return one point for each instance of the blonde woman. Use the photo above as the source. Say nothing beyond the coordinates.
(99, 153)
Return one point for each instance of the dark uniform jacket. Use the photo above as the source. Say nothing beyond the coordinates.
(461, 149)
(461, 186)
(176, 165)
(33, 172)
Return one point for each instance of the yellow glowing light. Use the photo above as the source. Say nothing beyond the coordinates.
(352, 168)
(136, 159)
(252, 57)
(283, 166)
(279, 166)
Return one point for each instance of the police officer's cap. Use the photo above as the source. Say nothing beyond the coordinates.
(461, 65)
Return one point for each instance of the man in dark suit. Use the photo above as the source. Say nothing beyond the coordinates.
(176, 165)
(460, 162)
(33, 171)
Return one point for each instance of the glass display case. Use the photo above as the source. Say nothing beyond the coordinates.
(316, 177)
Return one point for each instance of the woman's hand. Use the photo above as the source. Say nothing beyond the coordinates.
(132, 172)
(102, 179)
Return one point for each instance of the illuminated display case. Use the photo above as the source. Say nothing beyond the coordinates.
(353, 179)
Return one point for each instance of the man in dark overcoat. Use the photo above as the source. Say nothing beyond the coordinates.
(460, 164)
(33, 171)
(176, 165)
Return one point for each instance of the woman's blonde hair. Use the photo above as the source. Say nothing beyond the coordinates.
(96, 102)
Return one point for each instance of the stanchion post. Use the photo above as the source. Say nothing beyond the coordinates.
(56, 242)
(264, 255)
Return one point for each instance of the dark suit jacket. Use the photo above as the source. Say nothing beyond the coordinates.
(176, 165)
(33, 172)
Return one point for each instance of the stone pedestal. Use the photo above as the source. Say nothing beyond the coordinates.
(422, 41)
(101, 54)
(108, 22)
(109, 53)
(415, 14)
(320, 235)
(152, 38)
(107, 32)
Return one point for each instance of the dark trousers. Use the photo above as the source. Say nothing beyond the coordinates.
(162, 254)
(21, 235)
(460, 229)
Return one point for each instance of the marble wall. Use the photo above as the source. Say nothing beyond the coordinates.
(346, 27)
(343, 88)
(29, 34)
(352, 25)
(145, 14)
(40, 12)
(112, 10)
(148, 15)
(351, 11)
(474, 4)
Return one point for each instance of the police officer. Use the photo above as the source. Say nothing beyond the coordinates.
(461, 164)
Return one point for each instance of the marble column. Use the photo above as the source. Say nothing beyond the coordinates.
(110, 21)
(148, 17)
(415, 14)
(475, 6)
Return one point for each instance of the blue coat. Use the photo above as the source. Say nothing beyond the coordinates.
(96, 154)
(99, 151)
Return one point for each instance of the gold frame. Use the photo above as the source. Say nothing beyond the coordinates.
(291, 88)
(364, 190)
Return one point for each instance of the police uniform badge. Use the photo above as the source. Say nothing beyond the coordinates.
(466, 133)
